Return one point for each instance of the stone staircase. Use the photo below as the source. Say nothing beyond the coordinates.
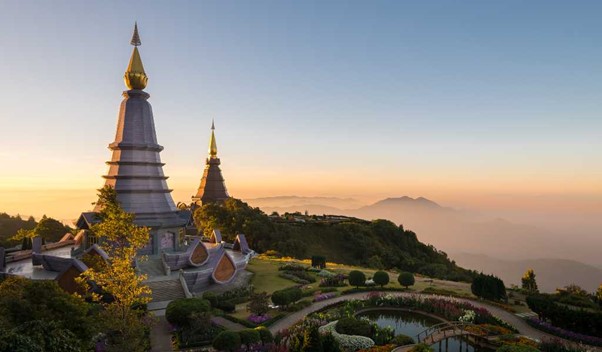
(166, 290)
(152, 267)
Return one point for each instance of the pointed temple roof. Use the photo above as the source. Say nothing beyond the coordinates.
(135, 169)
(135, 77)
(212, 187)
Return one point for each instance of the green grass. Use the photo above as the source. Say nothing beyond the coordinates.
(265, 278)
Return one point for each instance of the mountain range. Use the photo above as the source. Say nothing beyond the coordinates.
(475, 241)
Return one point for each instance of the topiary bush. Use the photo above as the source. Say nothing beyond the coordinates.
(227, 341)
(180, 311)
(287, 296)
(249, 336)
(265, 334)
(381, 278)
(357, 278)
(406, 279)
(354, 326)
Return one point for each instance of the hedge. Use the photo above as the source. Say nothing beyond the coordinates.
(179, 311)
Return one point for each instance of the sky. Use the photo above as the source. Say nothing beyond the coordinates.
(474, 104)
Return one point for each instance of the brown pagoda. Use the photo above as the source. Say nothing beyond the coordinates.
(213, 187)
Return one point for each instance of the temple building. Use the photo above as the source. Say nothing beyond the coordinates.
(136, 170)
(213, 187)
(179, 265)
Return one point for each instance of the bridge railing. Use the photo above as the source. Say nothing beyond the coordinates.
(444, 328)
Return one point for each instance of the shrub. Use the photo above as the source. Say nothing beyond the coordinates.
(382, 336)
(325, 273)
(357, 278)
(227, 341)
(330, 344)
(381, 278)
(227, 306)
(292, 267)
(287, 296)
(333, 281)
(180, 311)
(354, 326)
(488, 287)
(402, 340)
(249, 336)
(406, 279)
(265, 334)
(212, 298)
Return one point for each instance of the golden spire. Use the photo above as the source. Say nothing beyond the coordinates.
(212, 143)
(135, 77)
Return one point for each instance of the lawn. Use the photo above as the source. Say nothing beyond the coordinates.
(266, 279)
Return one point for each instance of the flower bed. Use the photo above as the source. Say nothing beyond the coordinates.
(324, 296)
(258, 319)
(347, 342)
(569, 335)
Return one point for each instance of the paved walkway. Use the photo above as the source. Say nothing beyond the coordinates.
(160, 335)
(518, 323)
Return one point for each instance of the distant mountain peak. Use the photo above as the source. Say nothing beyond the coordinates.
(408, 200)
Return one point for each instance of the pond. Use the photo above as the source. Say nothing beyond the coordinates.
(412, 323)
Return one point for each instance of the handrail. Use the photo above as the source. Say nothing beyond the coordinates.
(443, 327)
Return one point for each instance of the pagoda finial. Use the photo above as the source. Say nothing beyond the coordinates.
(135, 77)
(135, 37)
(212, 143)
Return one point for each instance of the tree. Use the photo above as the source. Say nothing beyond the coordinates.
(599, 294)
(24, 301)
(357, 278)
(406, 279)
(488, 287)
(381, 278)
(121, 239)
(528, 282)
(48, 228)
(259, 304)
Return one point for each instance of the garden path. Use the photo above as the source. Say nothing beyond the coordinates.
(520, 324)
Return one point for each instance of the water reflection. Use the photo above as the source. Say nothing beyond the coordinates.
(412, 323)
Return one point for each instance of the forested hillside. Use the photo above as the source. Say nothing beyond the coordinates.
(377, 244)
(50, 229)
